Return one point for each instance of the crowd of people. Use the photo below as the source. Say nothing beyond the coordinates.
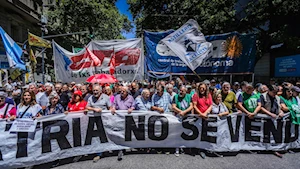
(166, 97)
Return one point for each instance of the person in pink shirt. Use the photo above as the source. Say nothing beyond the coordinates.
(202, 101)
(7, 111)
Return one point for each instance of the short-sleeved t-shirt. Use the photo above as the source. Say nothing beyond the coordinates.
(102, 102)
(11, 110)
(229, 100)
(203, 103)
(30, 113)
(241, 99)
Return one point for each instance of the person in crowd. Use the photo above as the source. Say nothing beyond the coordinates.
(161, 100)
(9, 87)
(280, 88)
(123, 101)
(212, 90)
(296, 91)
(262, 89)
(135, 90)
(16, 94)
(143, 102)
(28, 108)
(182, 105)
(228, 97)
(98, 102)
(110, 94)
(219, 107)
(85, 92)
(243, 89)
(236, 87)
(118, 89)
(257, 86)
(55, 107)
(77, 103)
(41, 98)
(207, 82)
(270, 102)
(63, 95)
(289, 103)
(170, 89)
(202, 101)
(7, 111)
(7, 99)
(248, 102)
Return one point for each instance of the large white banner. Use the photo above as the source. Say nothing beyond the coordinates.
(95, 59)
(189, 44)
(61, 136)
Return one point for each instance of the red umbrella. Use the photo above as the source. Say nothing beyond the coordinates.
(101, 78)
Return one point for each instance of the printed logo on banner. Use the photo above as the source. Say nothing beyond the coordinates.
(123, 57)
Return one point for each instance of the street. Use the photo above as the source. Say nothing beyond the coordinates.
(134, 160)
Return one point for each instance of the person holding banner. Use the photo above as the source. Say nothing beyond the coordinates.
(98, 102)
(55, 107)
(77, 103)
(248, 102)
(202, 101)
(7, 111)
(161, 100)
(270, 102)
(28, 108)
(123, 101)
(228, 97)
(219, 107)
(289, 104)
(182, 105)
(110, 94)
(143, 102)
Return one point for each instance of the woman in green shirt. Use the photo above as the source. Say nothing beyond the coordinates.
(289, 103)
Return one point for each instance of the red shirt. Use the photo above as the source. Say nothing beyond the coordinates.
(11, 110)
(77, 107)
(203, 103)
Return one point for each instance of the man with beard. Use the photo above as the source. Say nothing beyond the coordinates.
(182, 104)
(228, 97)
(98, 102)
(85, 92)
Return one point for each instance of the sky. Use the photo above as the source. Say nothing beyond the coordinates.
(123, 8)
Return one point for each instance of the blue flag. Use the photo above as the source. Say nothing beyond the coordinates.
(13, 51)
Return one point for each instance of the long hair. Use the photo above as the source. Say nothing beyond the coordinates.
(284, 90)
(206, 93)
(32, 101)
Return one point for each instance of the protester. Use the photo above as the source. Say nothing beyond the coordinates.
(228, 97)
(248, 102)
(97, 103)
(243, 89)
(143, 102)
(28, 108)
(135, 90)
(182, 104)
(236, 87)
(110, 94)
(202, 101)
(161, 100)
(219, 107)
(7, 111)
(63, 95)
(270, 102)
(16, 94)
(41, 98)
(77, 103)
(170, 89)
(289, 104)
(55, 107)
(85, 92)
(296, 91)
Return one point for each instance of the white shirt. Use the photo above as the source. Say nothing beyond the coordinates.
(30, 113)
(220, 108)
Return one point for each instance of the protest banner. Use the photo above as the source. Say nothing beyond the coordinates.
(232, 53)
(23, 125)
(61, 136)
(95, 59)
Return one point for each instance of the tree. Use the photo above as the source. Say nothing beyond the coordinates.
(274, 21)
(100, 17)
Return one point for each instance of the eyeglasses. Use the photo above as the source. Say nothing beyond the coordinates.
(2, 98)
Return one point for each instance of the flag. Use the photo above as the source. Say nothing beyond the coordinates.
(13, 51)
(38, 41)
(112, 63)
(32, 57)
(89, 54)
(189, 44)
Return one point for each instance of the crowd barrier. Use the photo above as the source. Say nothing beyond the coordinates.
(61, 136)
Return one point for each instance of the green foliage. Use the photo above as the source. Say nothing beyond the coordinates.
(100, 17)
(274, 21)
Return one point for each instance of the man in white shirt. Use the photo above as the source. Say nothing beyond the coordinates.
(296, 91)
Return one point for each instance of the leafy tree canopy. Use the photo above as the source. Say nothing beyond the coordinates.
(100, 17)
(274, 21)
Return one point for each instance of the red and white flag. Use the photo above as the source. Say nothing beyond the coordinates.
(112, 63)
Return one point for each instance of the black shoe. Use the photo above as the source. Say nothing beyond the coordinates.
(120, 155)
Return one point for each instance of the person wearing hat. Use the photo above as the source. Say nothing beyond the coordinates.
(7, 111)
(248, 102)
(77, 103)
(296, 91)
